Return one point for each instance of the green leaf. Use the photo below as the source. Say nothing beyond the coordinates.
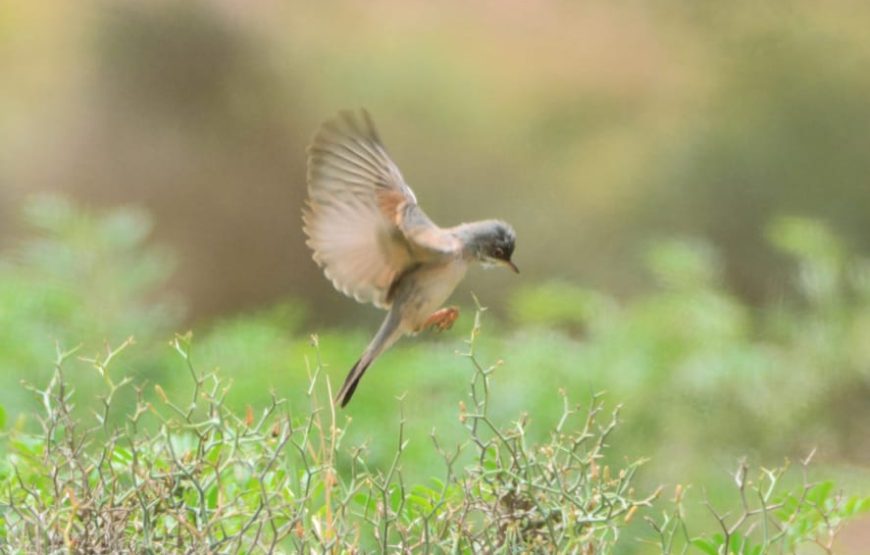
(122, 456)
(820, 492)
(862, 505)
(211, 497)
(705, 545)
(28, 445)
(365, 501)
(396, 499)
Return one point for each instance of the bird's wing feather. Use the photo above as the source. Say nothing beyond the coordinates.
(362, 220)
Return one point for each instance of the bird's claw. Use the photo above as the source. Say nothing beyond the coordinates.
(442, 320)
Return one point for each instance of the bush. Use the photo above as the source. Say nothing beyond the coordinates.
(768, 517)
(194, 476)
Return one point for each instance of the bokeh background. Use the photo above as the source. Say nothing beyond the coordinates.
(688, 180)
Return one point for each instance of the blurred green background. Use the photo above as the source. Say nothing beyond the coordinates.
(688, 181)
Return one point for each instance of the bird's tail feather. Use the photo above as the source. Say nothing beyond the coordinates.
(386, 336)
(352, 380)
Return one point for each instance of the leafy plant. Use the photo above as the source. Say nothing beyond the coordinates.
(770, 516)
(195, 476)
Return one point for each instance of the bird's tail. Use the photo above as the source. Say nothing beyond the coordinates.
(388, 334)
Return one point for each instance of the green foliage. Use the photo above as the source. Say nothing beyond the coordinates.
(199, 477)
(727, 376)
(703, 376)
(559, 303)
(770, 517)
(78, 278)
(206, 479)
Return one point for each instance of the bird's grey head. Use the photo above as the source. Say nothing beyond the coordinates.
(491, 242)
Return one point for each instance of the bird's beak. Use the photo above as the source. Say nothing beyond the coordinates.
(512, 266)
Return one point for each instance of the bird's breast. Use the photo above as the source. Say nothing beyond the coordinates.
(430, 287)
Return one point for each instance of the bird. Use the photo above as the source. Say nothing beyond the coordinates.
(374, 243)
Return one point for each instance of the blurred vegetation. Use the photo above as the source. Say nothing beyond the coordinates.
(594, 124)
(80, 279)
(704, 377)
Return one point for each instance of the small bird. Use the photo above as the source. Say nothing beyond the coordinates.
(376, 245)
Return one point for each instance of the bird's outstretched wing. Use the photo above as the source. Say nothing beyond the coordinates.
(362, 219)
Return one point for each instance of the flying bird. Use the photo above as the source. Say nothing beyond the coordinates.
(376, 244)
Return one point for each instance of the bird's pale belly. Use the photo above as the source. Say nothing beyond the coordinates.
(429, 289)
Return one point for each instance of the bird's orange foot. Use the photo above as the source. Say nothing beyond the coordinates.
(442, 319)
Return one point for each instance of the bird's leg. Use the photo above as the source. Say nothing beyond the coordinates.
(442, 319)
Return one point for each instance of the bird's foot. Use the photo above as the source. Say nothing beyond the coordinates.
(442, 319)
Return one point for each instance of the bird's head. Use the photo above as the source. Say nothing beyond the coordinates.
(492, 242)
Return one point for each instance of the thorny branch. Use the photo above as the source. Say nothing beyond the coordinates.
(198, 477)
